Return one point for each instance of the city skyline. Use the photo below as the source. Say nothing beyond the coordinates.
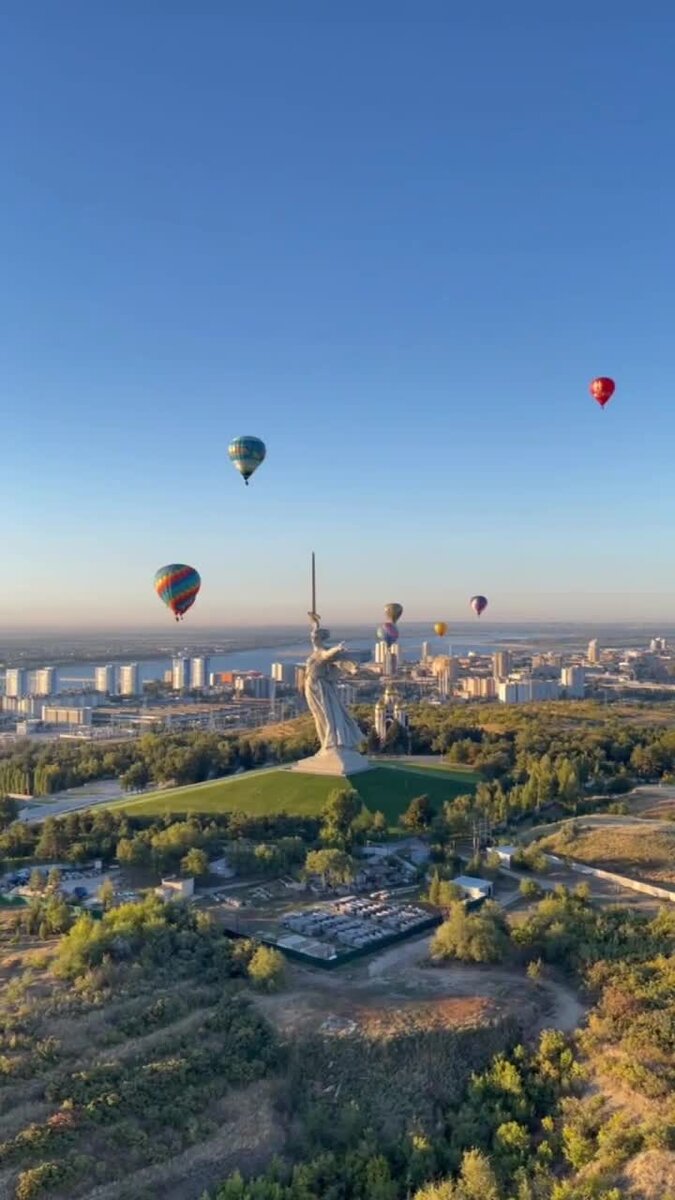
(395, 247)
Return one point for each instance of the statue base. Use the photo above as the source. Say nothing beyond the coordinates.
(333, 762)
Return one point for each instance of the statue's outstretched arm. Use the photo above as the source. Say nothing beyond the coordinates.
(334, 652)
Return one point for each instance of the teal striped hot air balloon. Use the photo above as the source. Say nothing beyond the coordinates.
(247, 453)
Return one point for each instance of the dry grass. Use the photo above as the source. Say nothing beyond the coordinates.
(637, 850)
(650, 1175)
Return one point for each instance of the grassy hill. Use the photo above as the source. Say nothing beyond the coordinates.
(389, 789)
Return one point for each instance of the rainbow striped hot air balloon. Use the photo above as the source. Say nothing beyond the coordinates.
(247, 453)
(177, 586)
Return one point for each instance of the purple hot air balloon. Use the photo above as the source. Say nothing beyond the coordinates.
(478, 604)
(388, 633)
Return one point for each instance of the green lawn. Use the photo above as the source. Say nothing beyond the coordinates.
(389, 789)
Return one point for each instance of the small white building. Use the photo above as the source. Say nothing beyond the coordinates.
(474, 888)
(504, 853)
(174, 888)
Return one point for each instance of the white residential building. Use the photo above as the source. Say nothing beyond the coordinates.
(128, 684)
(16, 681)
(104, 680)
(573, 680)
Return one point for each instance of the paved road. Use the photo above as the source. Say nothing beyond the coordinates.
(108, 792)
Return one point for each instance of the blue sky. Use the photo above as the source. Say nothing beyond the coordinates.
(394, 240)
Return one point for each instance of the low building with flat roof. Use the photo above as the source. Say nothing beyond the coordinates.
(473, 887)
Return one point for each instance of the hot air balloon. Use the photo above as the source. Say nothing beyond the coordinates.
(393, 612)
(478, 604)
(247, 453)
(388, 633)
(602, 389)
(440, 628)
(177, 585)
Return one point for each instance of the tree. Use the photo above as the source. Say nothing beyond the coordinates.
(530, 889)
(379, 826)
(471, 937)
(135, 778)
(196, 862)
(334, 866)
(418, 816)
(37, 880)
(266, 968)
(54, 880)
(477, 1179)
(341, 810)
(106, 894)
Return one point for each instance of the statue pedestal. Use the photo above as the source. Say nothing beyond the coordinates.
(333, 762)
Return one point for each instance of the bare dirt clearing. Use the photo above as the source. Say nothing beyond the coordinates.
(398, 989)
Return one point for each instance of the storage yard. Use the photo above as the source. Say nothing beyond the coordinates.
(334, 932)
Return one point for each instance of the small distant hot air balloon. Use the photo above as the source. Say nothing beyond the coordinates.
(177, 585)
(388, 633)
(393, 612)
(440, 628)
(247, 453)
(478, 604)
(602, 389)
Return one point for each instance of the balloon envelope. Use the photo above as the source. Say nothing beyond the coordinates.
(478, 604)
(393, 612)
(602, 389)
(388, 633)
(247, 453)
(440, 628)
(177, 585)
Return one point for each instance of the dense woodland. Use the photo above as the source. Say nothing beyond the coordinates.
(548, 749)
(522, 1123)
(505, 1121)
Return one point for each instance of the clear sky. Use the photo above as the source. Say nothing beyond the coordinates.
(395, 240)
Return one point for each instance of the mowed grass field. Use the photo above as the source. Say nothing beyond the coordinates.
(387, 789)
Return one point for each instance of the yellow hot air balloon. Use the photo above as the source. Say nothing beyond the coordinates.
(440, 628)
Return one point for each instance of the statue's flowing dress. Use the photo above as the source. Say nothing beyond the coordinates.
(334, 725)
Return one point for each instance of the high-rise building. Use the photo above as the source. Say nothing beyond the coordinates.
(283, 673)
(128, 684)
(522, 691)
(425, 651)
(501, 664)
(480, 687)
(252, 683)
(573, 679)
(199, 672)
(104, 679)
(15, 682)
(300, 677)
(593, 651)
(658, 645)
(180, 674)
(43, 681)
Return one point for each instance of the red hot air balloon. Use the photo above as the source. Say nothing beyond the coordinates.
(602, 389)
(478, 604)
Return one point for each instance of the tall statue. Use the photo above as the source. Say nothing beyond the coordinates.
(334, 725)
(339, 735)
